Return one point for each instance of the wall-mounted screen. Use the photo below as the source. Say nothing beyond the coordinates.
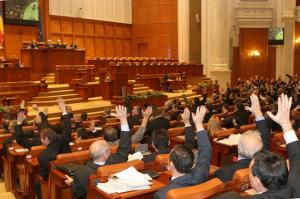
(23, 12)
(276, 36)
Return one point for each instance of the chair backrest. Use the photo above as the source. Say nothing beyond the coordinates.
(225, 133)
(107, 170)
(203, 190)
(28, 128)
(78, 157)
(162, 159)
(241, 175)
(81, 145)
(36, 151)
(173, 132)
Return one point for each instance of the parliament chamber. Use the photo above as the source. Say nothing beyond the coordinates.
(167, 99)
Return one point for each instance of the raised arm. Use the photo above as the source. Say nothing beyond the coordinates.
(261, 123)
(124, 148)
(292, 144)
(67, 128)
(204, 146)
(138, 136)
(189, 133)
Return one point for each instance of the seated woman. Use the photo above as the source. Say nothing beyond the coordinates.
(214, 125)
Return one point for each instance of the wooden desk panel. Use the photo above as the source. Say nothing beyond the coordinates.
(45, 60)
(13, 74)
(162, 181)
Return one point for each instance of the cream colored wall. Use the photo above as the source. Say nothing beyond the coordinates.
(104, 10)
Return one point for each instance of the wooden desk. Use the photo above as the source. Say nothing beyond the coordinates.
(31, 170)
(219, 149)
(13, 158)
(13, 74)
(162, 181)
(44, 60)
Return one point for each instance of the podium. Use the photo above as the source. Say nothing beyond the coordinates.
(44, 60)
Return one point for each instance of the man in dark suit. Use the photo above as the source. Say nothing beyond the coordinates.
(100, 153)
(249, 143)
(158, 121)
(160, 142)
(269, 175)
(241, 115)
(182, 159)
(49, 139)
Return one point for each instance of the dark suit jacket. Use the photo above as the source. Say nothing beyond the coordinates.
(226, 172)
(136, 120)
(80, 183)
(291, 190)
(25, 141)
(156, 123)
(48, 155)
(199, 173)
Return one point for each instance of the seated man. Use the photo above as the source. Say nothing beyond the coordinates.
(241, 115)
(269, 175)
(100, 153)
(50, 140)
(111, 133)
(157, 121)
(182, 158)
(135, 115)
(160, 143)
(249, 143)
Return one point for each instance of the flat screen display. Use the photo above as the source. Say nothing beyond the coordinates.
(276, 36)
(23, 12)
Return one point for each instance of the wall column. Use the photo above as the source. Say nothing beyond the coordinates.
(216, 23)
(285, 53)
(183, 31)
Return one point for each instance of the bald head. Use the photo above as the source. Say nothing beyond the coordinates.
(249, 143)
(100, 150)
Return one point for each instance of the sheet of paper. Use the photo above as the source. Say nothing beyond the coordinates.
(21, 150)
(139, 179)
(231, 140)
(136, 156)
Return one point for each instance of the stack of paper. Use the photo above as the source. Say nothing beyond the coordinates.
(231, 140)
(127, 180)
(136, 156)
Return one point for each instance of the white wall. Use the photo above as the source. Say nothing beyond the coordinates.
(105, 10)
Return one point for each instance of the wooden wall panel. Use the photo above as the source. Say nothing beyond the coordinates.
(297, 50)
(14, 35)
(109, 47)
(90, 44)
(67, 26)
(100, 48)
(244, 65)
(99, 38)
(154, 30)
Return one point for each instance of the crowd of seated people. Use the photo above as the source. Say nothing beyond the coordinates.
(251, 101)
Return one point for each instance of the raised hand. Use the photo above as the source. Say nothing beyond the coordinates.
(186, 116)
(46, 110)
(121, 113)
(35, 107)
(148, 112)
(283, 114)
(21, 117)
(61, 105)
(92, 126)
(198, 117)
(255, 106)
